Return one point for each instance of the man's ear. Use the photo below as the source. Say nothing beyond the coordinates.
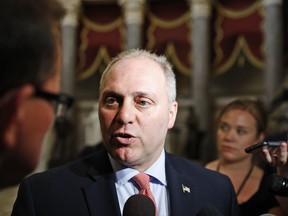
(172, 114)
(12, 113)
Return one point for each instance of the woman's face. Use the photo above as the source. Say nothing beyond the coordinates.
(237, 130)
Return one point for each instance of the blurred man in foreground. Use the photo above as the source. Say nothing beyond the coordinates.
(30, 64)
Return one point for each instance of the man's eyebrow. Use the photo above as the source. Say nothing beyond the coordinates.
(111, 93)
(134, 94)
(140, 93)
(144, 93)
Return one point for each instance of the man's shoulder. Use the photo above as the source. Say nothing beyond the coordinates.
(76, 170)
(181, 163)
(191, 168)
(59, 172)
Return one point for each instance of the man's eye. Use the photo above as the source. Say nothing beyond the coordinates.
(110, 101)
(143, 103)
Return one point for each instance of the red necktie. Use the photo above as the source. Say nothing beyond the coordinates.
(143, 181)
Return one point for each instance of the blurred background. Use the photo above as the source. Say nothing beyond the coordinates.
(220, 49)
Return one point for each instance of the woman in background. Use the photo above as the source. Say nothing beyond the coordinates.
(240, 124)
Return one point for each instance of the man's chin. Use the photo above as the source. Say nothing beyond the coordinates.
(125, 156)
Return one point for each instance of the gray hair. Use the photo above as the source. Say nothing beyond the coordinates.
(161, 60)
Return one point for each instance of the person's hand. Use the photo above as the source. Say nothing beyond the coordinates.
(276, 156)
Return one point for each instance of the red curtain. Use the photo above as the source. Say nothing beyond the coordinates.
(101, 36)
(168, 32)
(238, 28)
(239, 31)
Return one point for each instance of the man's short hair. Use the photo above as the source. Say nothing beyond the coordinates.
(27, 41)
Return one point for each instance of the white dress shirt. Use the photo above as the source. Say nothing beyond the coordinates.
(126, 187)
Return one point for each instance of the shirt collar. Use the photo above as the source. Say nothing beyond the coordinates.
(124, 174)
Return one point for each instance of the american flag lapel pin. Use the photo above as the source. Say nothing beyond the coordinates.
(185, 189)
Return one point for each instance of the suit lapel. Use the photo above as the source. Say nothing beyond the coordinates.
(182, 191)
(101, 195)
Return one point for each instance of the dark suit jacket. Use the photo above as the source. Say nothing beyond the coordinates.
(86, 187)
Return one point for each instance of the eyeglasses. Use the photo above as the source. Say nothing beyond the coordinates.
(62, 101)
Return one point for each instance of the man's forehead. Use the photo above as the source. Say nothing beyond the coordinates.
(137, 61)
(135, 69)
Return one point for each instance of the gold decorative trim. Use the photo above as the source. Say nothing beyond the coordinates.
(218, 38)
(171, 52)
(102, 55)
(234, 14)
(83, 46)
(102, 27)
(241, 45)
(155, 21)
(170, 23)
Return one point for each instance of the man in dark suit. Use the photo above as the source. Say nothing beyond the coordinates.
(137, 106)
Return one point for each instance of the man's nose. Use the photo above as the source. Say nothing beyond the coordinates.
(126, 113)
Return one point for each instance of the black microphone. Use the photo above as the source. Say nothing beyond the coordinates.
(139, 205)
(209, 210)
(279, 185)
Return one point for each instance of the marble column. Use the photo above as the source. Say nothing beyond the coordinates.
(200, 33)
(69, 41)
(273, 40)
(200, 38)
(65, 146)
(134, 18)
